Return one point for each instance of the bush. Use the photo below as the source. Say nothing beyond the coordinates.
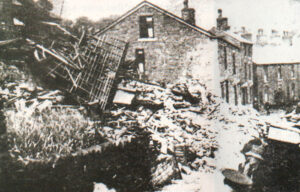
(42, 132)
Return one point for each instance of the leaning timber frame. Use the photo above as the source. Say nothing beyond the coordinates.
(89, 70)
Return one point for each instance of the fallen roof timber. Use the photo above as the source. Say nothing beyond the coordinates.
(90, 69)
(8, 42)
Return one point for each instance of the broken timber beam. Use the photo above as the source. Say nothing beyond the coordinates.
(55, 55)
(7, 42)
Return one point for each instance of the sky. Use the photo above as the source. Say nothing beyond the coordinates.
(253, 14)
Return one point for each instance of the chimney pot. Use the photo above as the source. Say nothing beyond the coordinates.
(222, 22)
(188, 14)
(220, 12)
(243, 29)
(186, 4)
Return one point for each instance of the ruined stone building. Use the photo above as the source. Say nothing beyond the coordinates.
(166, 48)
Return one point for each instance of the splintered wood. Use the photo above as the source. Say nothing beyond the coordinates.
(89, 69)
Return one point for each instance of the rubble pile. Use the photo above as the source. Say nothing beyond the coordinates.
(235, 126)
(293, 116)
(187, 124)
(176, 117)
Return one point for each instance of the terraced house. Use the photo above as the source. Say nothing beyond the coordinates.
(277, 70)
(166, 48)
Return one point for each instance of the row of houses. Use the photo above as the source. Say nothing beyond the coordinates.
(167, 48)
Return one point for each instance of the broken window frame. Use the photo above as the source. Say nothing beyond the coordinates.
(146, 27)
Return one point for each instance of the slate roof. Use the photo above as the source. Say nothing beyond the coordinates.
(229, 37)
(133, 10)
(266, 55)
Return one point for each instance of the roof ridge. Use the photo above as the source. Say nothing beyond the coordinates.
(195, 27)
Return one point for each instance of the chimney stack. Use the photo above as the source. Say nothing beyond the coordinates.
(245, 34)
(188, 14)
(243, 29)
(222, 22)
(287, 38)
(261, 39)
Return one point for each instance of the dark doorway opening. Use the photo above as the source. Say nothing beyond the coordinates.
(140, 62)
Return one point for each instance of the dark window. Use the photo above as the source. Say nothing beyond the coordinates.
(250, 72)
(244, 96)
(279, 72)
(266, 96)
(250, 50)
(246, 49)
(266, 74)
(225, 58)
(288, 92)
(227, 91)
(233, 63)
(293, 71)
(293, 91)
(146, 27)
(251, 95)
(140, 62)
(223, 90)
(235, 95)
(245, 69)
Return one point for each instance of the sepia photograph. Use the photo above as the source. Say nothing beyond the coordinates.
(149, 96)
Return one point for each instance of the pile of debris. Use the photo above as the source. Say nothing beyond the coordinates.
(236, 127)
(176, 117)
(186, 123)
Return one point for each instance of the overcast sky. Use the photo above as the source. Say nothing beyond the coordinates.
(254, 14)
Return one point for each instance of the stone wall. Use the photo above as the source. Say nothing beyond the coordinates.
(269, 90)
(178, 51)
(175, 51)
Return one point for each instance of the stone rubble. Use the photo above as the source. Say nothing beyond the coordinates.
(186, 123)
